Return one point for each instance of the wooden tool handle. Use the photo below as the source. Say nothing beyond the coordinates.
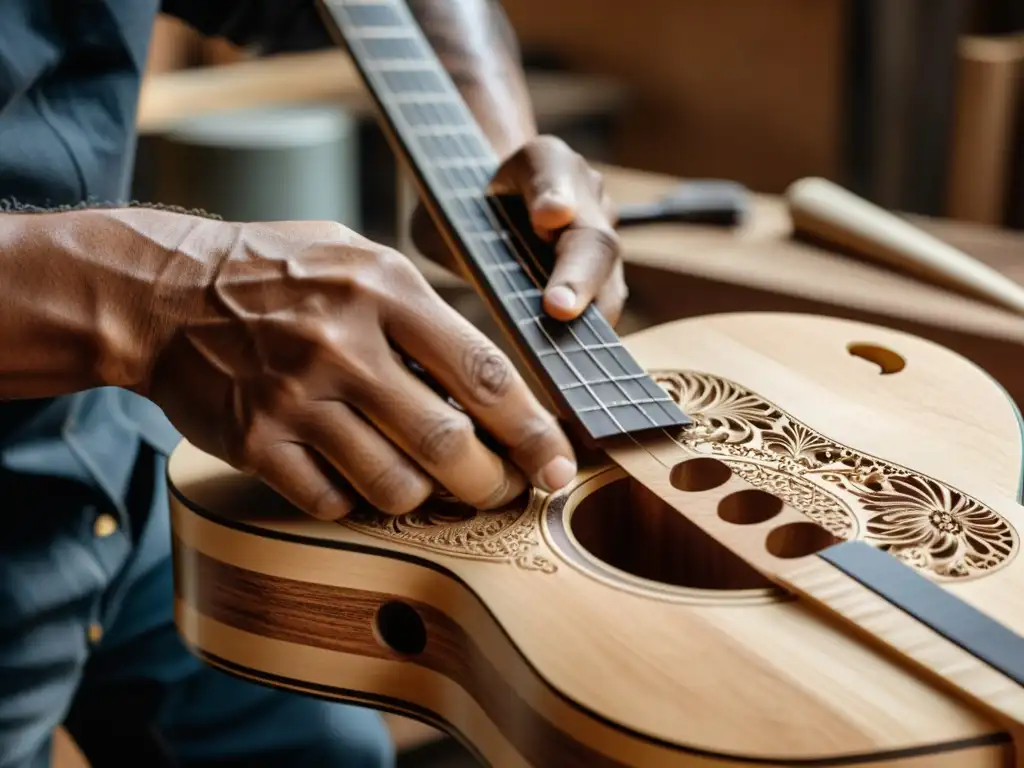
(836, 216)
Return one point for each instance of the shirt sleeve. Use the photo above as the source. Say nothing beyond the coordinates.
(262, 26)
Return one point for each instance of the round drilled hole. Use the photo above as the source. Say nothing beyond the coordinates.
(701, 474)
(798, 540)
(887, 361)
(401, 629)
(630, 528)
(749, 507)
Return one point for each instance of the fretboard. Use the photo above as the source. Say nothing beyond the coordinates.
(582, 363)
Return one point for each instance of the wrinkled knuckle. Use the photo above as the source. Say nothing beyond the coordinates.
(608, 241)
(396, 491)
(489, 372)
(537, 437)
(286, 393)
(394, 265)
(367, 284)
(447, 439)
(379, 272)
(495, 497)
(257, 453)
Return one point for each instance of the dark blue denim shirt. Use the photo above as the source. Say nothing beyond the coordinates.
(70, 72)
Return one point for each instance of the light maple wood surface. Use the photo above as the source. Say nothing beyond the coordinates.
(599, 626)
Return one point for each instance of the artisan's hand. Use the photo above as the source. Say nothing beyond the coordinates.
(289, 369)
(567, 202)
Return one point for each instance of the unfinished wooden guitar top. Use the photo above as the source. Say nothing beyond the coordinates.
(619, 605)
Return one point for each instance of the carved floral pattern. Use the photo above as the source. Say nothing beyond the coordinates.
(932, 527)
(449, 527)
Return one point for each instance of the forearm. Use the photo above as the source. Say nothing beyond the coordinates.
(473, 39)
(477, 46)
(84, 300)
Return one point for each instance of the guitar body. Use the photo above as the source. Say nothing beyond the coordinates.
(597, 626)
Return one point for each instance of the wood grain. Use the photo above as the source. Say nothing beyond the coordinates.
(640, 668)
(989, 92)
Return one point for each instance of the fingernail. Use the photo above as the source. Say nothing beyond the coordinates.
(556, 474)
(551, 199)
(563, 297)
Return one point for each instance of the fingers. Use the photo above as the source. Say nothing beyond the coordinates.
(586, 255)
(295, 472)
(437, 437)
(378, 471)
(486, 384)
(566, 196)
(542, 173)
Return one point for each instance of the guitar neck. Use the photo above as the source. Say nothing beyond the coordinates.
(582, 364)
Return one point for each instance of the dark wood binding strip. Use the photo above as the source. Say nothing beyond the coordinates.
(338, 619)
(342, 620)
(900, 585)
(349, 696)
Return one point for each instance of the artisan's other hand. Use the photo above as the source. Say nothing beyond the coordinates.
(277, 347)
(293, 372)
(567, 203)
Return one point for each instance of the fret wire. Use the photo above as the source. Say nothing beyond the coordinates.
(382, 33)
(475, 165)
(401, 65)
(608, 376)
(644, 401)
(422, 98)
(593, 357)
(582, 381)
(599, 347)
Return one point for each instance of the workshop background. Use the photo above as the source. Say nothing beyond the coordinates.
(917, 105)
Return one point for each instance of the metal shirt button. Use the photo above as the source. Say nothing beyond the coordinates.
(104, 525)
(94, 633)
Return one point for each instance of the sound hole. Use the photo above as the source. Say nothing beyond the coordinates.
(401, 629)
(798, 540)
(749, 507)
(888, 362)
(700, 474)
(630, 528)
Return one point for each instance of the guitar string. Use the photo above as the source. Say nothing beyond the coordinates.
(474, 164)
(355, 41)
(611, 347)
(515, 295)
